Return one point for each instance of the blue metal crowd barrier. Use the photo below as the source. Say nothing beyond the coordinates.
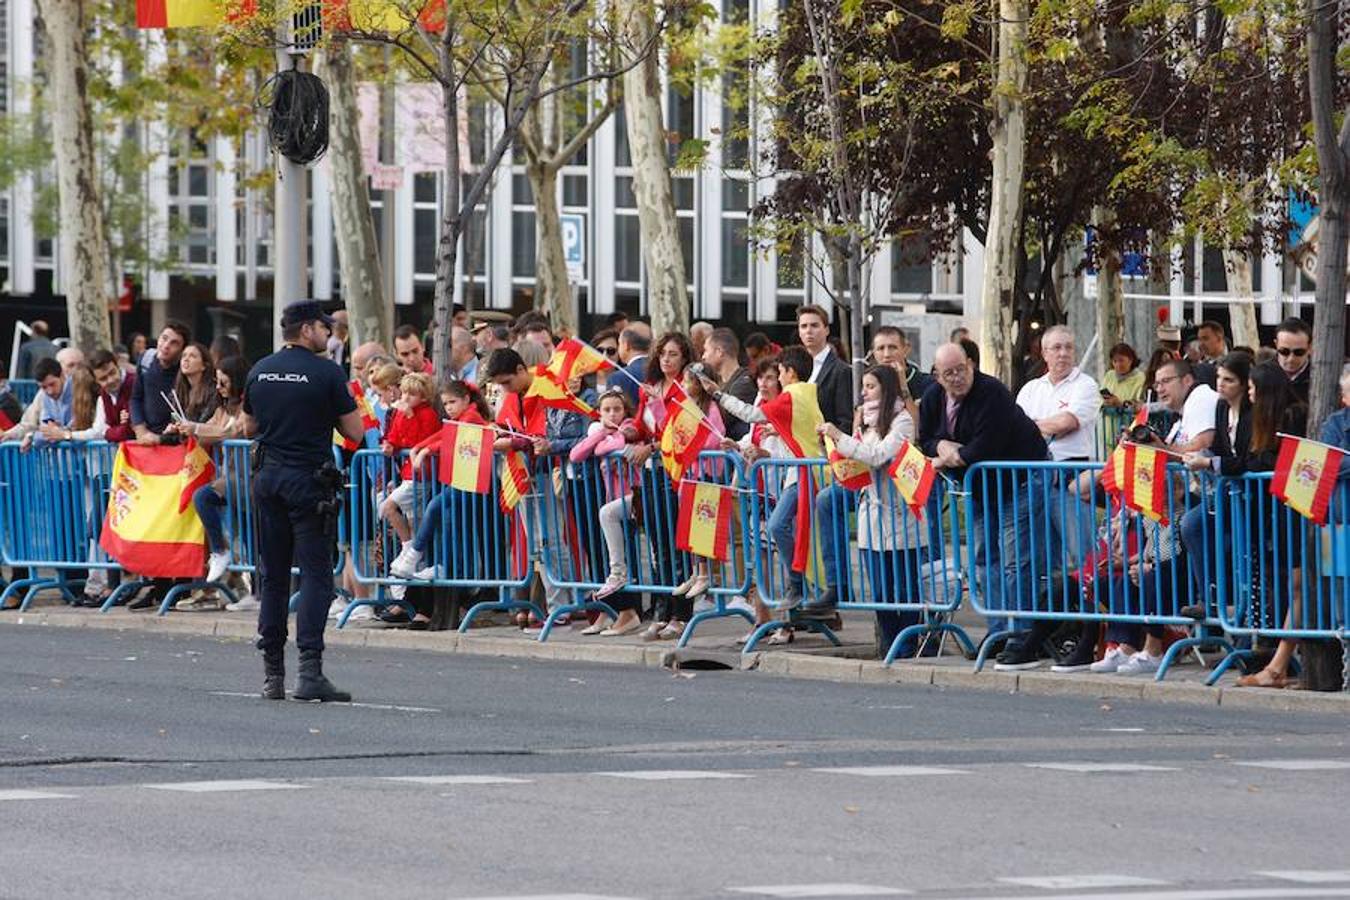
(910, 567)
(52, 498)
(476, 543)
(24, 389)
(1048, 542)
(575, 554)
(1286, 576)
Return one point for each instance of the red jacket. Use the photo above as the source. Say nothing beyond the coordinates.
(113, 407)
(407, 430)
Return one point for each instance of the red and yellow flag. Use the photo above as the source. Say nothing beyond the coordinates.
(147, 529)
(795, 415)
(913, 475)
(1113, 472)
(1146, 481)
(577, 359)
(548, 389)
(157, 14)
(198, 470)
(704, 526)
(1305, 475)
(515, 478)
(466, 457)
(369, 423)
(850, 473)
(684, 436)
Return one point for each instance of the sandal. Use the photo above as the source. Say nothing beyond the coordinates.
(782, 636)
(1265, 679)
(521, 619)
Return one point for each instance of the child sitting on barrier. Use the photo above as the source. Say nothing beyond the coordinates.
(412, 421)
(605, 438)
(464, 404)
(890, 539)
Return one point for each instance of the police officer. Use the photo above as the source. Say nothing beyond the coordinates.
(292, 402)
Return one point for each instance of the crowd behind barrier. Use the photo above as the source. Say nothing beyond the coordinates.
(1026, 541)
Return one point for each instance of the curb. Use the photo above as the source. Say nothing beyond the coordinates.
(789, 664)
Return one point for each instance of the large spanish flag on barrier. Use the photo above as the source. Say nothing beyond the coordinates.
(850, 473)
(148, 528)
(1305, 476)
(683, 437)
(1146, 481)
(515, 477)
(549, 390)
(913, 474)
(795, 415)
(369, 423)
(704, 526)
(466, 457)
(576, 359)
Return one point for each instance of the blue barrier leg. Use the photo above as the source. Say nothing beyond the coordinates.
(572, 608)
(819, 626)
(502, 605)
(989, 641)
(1234, 656)
(35, 587)
(762, 630)
(967, 645)
(18, 584)
(126, 589)
(1175, 651)
(179, 590)
(700, 618)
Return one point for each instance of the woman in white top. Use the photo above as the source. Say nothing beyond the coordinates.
(891, 540)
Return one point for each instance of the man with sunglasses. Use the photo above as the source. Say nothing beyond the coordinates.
(1293, 350)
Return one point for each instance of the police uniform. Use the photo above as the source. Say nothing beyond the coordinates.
(296, 398)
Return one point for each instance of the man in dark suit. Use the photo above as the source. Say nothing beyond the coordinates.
(969, 418)
(635, 342)
(830, 374)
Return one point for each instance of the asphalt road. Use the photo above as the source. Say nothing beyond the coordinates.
(139, 765)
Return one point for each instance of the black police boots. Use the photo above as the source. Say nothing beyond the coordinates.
(311, 685)
(274, 676)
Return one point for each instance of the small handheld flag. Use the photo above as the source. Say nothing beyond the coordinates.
(1305, 475)
(704, 526)
(466, 457)
(850, 473)
(913, 475)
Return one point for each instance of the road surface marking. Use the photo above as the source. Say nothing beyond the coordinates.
(253, 695)
(1080, 882)
(34, 795)
(821, 890)
(671, 775)
(212, 787)
(456, 779)
(1308, 876)
(1272, 893)
(1296, 765)
(1098, 767)
(890, 771)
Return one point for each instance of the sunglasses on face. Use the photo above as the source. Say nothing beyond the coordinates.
(610, 351)
(1296, 352)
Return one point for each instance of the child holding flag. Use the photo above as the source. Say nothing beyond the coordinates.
(890, 538)
(411, 422)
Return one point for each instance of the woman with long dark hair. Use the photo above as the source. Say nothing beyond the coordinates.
(196, 383)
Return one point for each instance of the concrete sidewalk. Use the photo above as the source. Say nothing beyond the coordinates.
(715, 646)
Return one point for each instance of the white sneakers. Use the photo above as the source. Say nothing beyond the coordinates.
(1118, 661)
(217, 565)
(246, 603)
(405, 564)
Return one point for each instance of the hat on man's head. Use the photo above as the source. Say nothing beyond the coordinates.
(1169, 333)
(302, 311)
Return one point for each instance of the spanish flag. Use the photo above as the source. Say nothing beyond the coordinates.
(913, 475)
(198, 470)
(549, 390)
(576, 359)
(466, 457)
(704, 526)
(515, 480)
(795, 415)
(1146, 481)
(156, 14)
(850, 473)
(1305, 475)
(684, 436)
(1113, 472)
(147, 529)
(369, 423)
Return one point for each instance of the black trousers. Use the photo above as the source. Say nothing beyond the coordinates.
(292, 533)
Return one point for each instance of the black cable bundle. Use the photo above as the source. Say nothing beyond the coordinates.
(298, 119)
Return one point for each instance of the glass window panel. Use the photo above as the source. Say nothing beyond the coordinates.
(424, 187)
(197, 216)
(521, 192)
(683, 188)
(477, 245)
(735, 195)
(623, 193)
(622, 157)
(687, 247)
(911, 267)
(478, 132)
(1213, 275)
(197, 181)
(627, 249)
(522, 244)
(735, 254)
(790, 274)
(424, 241)
(679, 119)
(574, 190)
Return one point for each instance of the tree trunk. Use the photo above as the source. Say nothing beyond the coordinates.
(1008, 130)
(357, 247)
(667, 291)
(452, 220)
(553, 295)
(1241, 315)
(1110, 290)
(85, 260)
(1333, 164)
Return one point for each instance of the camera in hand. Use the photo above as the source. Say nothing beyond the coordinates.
(699, 370)
(1144, 434)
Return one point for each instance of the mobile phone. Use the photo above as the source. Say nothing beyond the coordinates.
(1105, 392)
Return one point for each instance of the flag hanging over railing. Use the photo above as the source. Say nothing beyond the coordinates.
(704, 525)
(466, 457)
(148, 528)
(913, 475)
(1305, 475)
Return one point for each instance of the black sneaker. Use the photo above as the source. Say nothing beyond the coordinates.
(1016, 657)
(1082, 657)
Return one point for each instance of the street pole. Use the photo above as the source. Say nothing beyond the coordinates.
(289, 264)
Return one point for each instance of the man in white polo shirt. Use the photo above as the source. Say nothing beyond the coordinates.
(1065, 402)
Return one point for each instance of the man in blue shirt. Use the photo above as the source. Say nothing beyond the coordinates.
(293, 400)
(156, 373)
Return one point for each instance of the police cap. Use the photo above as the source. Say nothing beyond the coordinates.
(302, 311)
